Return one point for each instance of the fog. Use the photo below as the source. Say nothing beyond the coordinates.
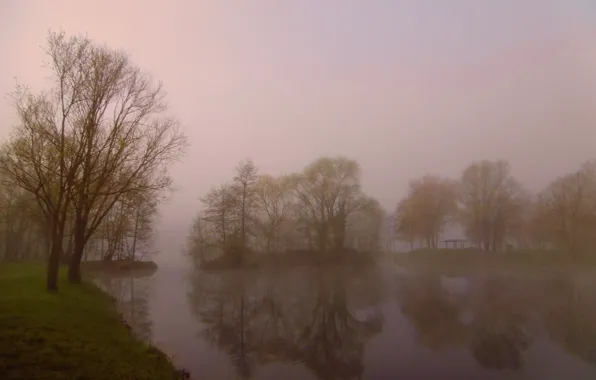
(403, 87)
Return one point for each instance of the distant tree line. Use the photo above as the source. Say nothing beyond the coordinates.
(496, 211)
(85, 167)
(124, 233)
(321, 208)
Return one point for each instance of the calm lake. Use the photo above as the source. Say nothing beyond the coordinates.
(385, 323)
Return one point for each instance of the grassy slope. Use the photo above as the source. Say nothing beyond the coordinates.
(470, 260)
(75, 334)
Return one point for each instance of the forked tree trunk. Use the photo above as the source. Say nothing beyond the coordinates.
(134, 236)
(74, 265)
(54, 258)
(52, 270)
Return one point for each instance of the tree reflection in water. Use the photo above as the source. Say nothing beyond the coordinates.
(433, 310)
(132, 299)
(306, 317)
(499, 333)
(570, 315)
(490, 317)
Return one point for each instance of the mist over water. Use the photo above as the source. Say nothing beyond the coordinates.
(372, 324)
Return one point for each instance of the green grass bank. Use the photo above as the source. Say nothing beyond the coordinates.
(75, 334)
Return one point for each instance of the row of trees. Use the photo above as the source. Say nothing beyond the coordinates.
(495, 210)
(124, 233)
(322, 208)
(88, 159)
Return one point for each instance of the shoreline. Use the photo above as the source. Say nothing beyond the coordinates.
(76, 333)
(469, 261)
(118, 266)
(288, 260)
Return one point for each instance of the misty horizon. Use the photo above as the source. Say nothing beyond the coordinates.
(405, 89)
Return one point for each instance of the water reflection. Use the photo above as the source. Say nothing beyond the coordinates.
(432, 310)
(339, 324)
(496, 317)
(570, 315)
(498, 334)
(319, 319)
(132, 299)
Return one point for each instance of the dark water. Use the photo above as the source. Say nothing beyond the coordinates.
(369, 324)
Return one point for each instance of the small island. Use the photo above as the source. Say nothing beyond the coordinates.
(318, 216)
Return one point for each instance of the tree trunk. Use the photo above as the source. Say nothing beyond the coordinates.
(69, 247)
(7, 247)
(86, 251)
(485, 236)
(74, 265)
(339, 235)
(101, 248)
(54, 261)
(134, 236)
(322, 239)
(243, 226)
(110, 255)
(52, 270)
(132, 300)
(29, 243)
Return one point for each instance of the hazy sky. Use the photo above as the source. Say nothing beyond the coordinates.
(404, 87)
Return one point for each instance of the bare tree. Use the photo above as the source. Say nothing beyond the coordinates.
(98, 134)
(245, 179)
(116, 225)
(389, 238)
(197, 239)
(125, 141)
(315, 209)
(144, 207)
(23, 228)
(364, 227)
(406, 223)
(567, 210)
(41, 155)
(527, 228)
(273, 207)
(127, 229)
(216, 229)
(328, 191)
(430, 204)
(491, 201)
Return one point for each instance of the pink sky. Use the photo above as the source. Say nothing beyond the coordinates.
(406, 88)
